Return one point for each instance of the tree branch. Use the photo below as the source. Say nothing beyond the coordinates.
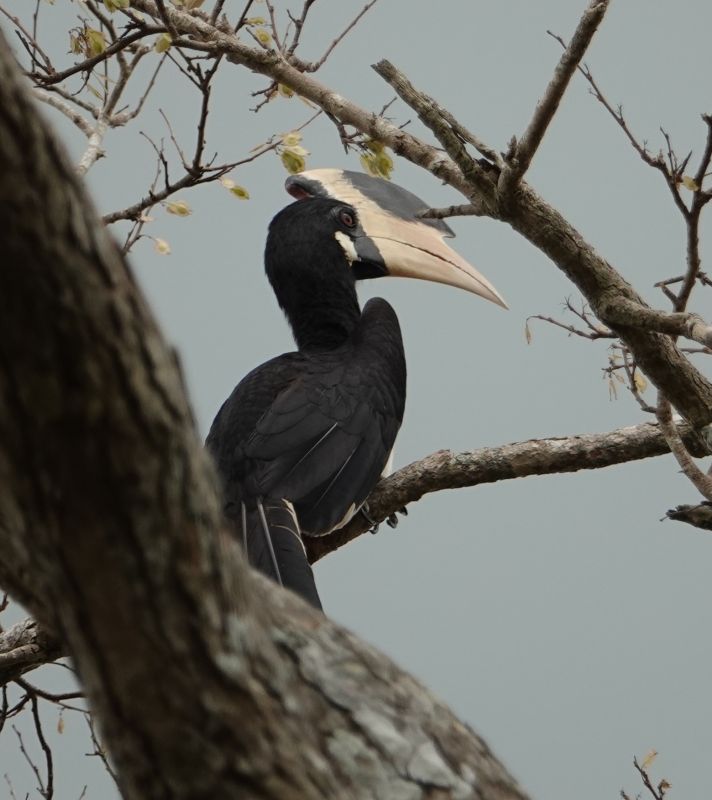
(100, 461)
(25, 646)
(518, 162)
(447, 470)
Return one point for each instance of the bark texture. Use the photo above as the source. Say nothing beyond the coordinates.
(448, 470)
(207, 681)
(23, 647)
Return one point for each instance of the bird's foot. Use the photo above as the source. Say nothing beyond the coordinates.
(391, 519)
(364, 510)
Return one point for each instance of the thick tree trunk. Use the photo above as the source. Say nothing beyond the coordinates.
(207, 681)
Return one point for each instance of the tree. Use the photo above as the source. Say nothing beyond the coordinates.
(58, 595)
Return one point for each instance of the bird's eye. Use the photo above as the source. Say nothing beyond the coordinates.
(347, 218)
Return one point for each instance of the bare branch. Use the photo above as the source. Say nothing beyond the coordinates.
(699, 515)
(65, 108)
(517, 165)
(313, 66)
(85, 66)
(94, 148)
(447, 470)
(466, 210)
(626, 312)
(23, 647)
(701, 481)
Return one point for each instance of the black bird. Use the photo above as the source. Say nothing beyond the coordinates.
(303, 439)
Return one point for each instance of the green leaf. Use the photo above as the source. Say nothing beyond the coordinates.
(115, 5)
(162, 247)
(163, 43)
(293, 162)
(178, 207)
(263, 36)
(95, 41)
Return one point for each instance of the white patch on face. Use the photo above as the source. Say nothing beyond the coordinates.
(347, 246)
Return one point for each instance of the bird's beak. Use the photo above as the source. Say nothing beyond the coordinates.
(394, 237)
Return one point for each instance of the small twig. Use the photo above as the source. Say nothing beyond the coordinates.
(701, 481)
(298, 26)
(592, 335)
(33, 766)
(524, 151)
(32, 39)
(48, 792)
(243, 16)
(98, 749)
(313, 66)
(165, 18)
(273, 24)
(427, 111)
(49, 696)
(630, 368)
(465, 210)
(65, 108)
(88, 64)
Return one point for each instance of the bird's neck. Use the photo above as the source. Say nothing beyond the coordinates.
(323, 317)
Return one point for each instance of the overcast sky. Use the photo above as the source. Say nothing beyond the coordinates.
(557, 615)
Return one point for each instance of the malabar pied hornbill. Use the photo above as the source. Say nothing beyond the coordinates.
(303, 439)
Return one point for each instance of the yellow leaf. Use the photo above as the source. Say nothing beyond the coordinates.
(189, 5)
(163, 43)
(285, 91)
(115, 5)
(368, 162)
(527, 333)
(255, 21)
(640, 383)
(384, 165)
(162, 247)
(291, 139)
(690, 183)
(95, 41)
(648, 760)
(292, 161)
(75, 44)
(612, 391)
(374, 145)
(263, 36)
(228, 183)
(178, 207)
(241, 192)
(60, 724)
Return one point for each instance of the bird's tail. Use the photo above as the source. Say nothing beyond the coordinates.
(273, 542)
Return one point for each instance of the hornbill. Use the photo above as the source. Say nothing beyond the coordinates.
(303, 439)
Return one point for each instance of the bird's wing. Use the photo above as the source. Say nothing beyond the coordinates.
(322, 443)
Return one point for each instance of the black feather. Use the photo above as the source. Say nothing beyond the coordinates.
(314, 428)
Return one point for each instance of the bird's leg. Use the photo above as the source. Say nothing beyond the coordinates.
(372, 522)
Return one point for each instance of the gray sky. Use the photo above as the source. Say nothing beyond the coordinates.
(556, 615)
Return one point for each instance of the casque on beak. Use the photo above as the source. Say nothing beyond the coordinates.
(395, 237)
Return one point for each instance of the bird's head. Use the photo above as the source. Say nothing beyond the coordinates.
(380, 231)
(324, 239)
